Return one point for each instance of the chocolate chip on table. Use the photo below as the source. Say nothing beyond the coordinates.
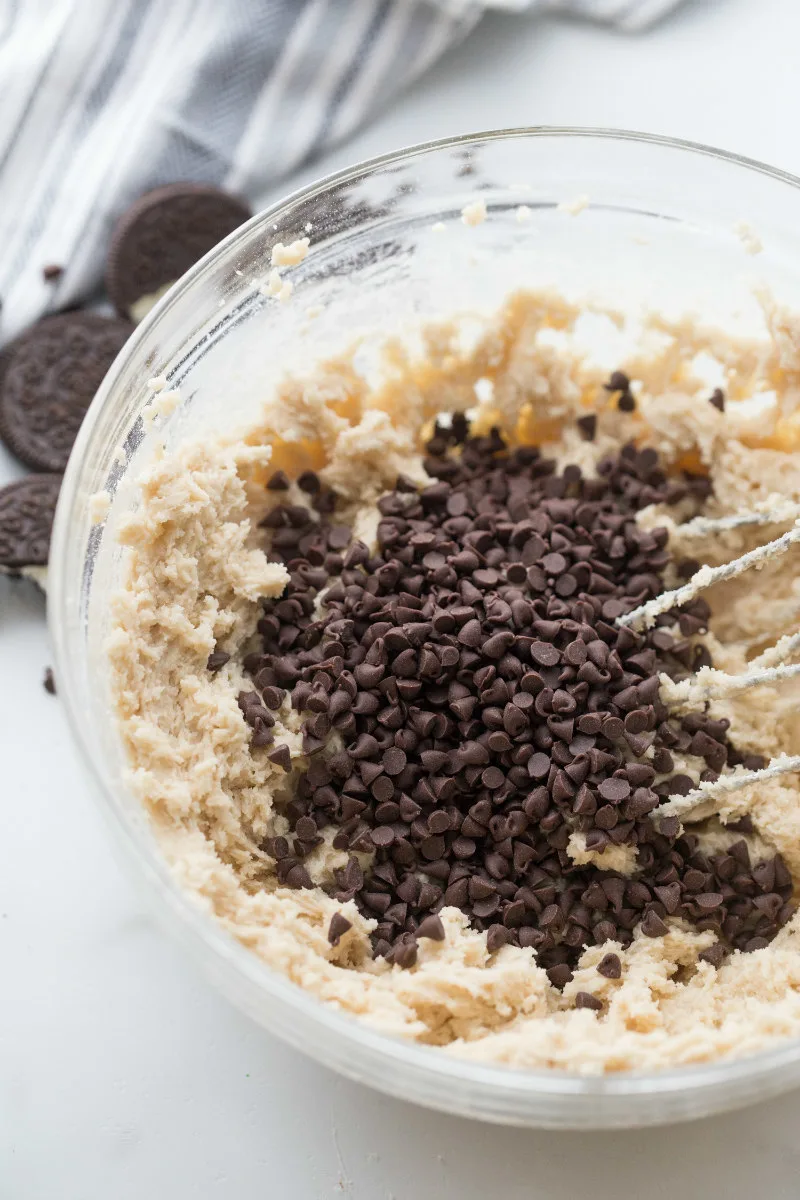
(49, 682)
(338, 927)
(27, 507)
(163, 234)
(51, 373)
(468, 704)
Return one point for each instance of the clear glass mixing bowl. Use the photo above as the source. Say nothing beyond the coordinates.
(659, 232)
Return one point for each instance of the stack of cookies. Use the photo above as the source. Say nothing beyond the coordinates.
(49, 374)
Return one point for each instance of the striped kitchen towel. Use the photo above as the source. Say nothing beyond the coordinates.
(102, 99)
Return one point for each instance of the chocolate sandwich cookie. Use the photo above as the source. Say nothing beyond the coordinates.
(27, 507)
(51, 373)
(161, 236)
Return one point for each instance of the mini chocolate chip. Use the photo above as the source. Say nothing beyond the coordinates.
(588, 426)
(714, 954)
(282, 757)
(614, 790)
(610, 966)
(217, 659)
(636, 721)
(298, 877)
(496, 937)
(613, 728)
(670, 896)
(382, 789)
(538, 765)
(309, 482)
(618, 382)
(431, 927)
(394, 760)
(383, 836)
(587, 1000)
(338, 537)
(339, 925)
(471, 634)
(652, 926)
(404, 953)
(544, 653)
(559, 975)
(496, 646)
(278, 481)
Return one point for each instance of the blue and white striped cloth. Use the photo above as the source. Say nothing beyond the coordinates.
(102, 99)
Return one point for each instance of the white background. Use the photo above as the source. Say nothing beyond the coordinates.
(122, 1075)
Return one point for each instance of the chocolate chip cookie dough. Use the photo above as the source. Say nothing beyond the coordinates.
(380, 701)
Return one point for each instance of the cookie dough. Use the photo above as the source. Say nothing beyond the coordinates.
(194, 572)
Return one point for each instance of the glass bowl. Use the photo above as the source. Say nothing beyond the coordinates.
(389, 249)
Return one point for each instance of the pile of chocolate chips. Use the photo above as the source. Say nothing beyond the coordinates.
(470, 703)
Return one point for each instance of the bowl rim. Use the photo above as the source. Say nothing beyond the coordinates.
(438, 1067)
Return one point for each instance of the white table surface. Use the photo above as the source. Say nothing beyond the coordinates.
(122, 1074)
